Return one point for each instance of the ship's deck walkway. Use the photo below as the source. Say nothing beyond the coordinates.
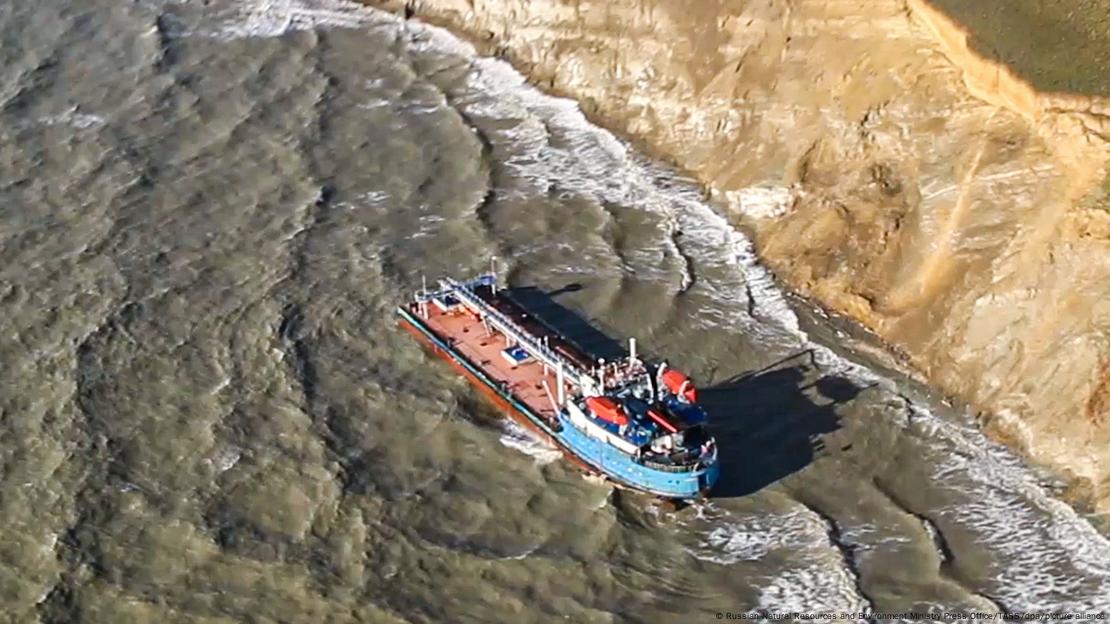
(468, 336)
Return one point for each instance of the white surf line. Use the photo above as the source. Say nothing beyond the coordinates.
(273, 18)
(814, 575)
(1051, 556)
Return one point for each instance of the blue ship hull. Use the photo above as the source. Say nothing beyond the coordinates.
(623, 468)
(596, 455)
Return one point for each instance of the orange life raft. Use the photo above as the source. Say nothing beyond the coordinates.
(678, 383)
(607, 409)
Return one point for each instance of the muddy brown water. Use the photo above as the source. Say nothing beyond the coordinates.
(208, 212)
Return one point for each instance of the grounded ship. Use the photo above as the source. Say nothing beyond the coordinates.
(637, 424)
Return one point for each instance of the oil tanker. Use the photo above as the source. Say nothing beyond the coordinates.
(637, 423)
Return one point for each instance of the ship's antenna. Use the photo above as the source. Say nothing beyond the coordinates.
(493, 272)
(632, 351)
(601, 374)
(559, 380)
(423, 295)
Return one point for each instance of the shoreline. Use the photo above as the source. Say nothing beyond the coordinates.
(589, 66)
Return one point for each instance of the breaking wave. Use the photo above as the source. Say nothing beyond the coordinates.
(267, 18)
(520, 439)
(814, 575)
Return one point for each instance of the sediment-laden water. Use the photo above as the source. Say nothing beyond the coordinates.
(208, 212)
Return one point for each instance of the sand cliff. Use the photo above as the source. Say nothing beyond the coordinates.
(885, 168)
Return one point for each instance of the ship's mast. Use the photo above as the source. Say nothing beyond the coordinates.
(659, 380)
(423, 298)
(562, 384)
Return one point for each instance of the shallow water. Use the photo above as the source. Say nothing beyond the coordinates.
(208, 212)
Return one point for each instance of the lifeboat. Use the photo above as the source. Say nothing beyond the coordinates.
(607, 409)
(678, 383)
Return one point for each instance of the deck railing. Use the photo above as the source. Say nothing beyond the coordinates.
(464, 292)
(511, 329)
(690, 467)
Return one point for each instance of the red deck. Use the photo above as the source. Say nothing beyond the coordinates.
(468, 336)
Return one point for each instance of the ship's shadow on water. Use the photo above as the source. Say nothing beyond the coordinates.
(566, 322)
(770, 423)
